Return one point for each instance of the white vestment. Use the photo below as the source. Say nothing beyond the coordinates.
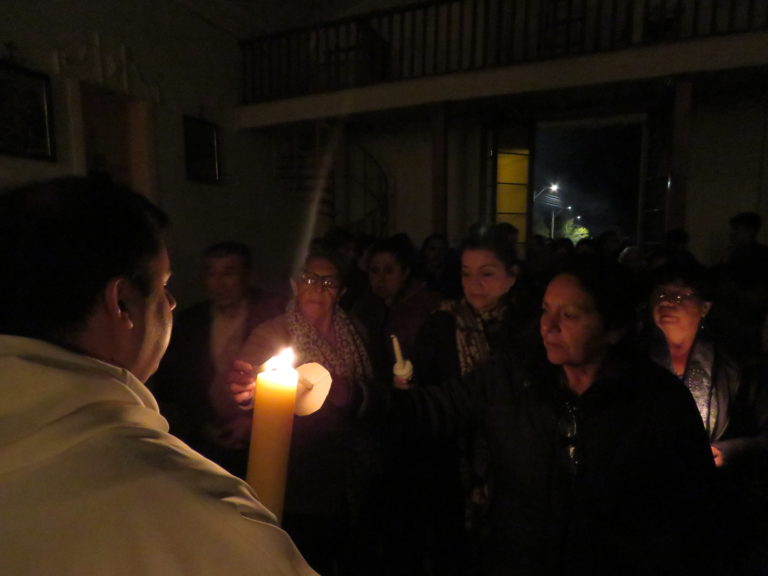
(92, 484)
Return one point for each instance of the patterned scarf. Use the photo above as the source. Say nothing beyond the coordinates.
(472, 331)
(346, 358)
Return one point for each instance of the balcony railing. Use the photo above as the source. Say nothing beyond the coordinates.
(450, 36)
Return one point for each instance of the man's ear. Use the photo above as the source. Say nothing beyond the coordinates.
(116, 295)
(705, 308)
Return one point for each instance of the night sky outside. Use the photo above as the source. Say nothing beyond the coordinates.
(597, 170)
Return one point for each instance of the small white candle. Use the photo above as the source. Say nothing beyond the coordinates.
(396, 348)
(273, 408)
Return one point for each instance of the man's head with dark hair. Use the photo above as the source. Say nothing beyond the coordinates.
(61, 242)
(230, 248)
(228, 274)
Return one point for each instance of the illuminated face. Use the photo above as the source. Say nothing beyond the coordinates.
(152, 319)
(226, 280)
(386, 276)
(485, 279)
(571, 327)
(317, 289)
(677, 311)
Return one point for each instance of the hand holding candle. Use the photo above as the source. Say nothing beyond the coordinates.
(242, 383)
(402, 369)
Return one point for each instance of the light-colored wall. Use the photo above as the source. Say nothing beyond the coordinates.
(728, 168)
(405, 152)
(464, 169)
(182, 64)
(404, 149)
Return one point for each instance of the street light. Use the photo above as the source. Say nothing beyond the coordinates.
(549, 197)
(551, 188)
(552, 224)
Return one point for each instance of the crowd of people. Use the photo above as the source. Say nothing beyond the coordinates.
(559, 409)
(438, 472)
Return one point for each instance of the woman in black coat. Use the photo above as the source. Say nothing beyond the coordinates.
(598, 460)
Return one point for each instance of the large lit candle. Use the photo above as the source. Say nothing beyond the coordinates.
(273, 408)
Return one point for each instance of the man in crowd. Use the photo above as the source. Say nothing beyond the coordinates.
(206, 339)
(90, 480)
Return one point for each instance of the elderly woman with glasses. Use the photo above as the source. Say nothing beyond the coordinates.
(329, 448)
(679, 304)
(732, 400)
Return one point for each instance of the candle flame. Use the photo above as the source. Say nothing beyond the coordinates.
(282, 361)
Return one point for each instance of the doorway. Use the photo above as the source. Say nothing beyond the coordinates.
(588, 179)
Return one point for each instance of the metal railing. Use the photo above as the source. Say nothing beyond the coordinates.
(449, 36)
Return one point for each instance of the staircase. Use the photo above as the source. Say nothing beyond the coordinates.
(324, 165)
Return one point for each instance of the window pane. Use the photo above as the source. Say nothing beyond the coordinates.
(511, 198)
(513, 168)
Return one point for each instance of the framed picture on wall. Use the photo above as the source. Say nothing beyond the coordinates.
(26, 113)
(201, 146)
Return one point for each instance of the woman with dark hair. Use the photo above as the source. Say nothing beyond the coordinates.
(732, 402)
(460, 336)
(598, 461)
(463, 334)
(396, 302)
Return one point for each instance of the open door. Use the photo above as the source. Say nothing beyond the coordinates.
(589, 179)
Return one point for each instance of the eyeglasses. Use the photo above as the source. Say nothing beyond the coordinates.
(675, 298)
(567, 427)
(310, 279)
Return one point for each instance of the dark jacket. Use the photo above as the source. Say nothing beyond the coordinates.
(182, 384)
(741, 397)
(403, 318)
(740, 432)
(636, 503)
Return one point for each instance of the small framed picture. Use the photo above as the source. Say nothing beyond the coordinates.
(201, 146)
(26, 113)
